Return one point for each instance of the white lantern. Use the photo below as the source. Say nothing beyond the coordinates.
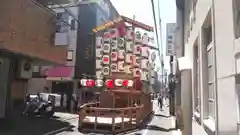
(114, 67)
(114, 44)
(83, 82)
(114, 56)
(144, 76)
(138, 37)
(121, 66)
(128, 69)
(99, 42)
(136, 61)
(99, 53)
(129, 46)
(121, 54)
(144, 64)
(137, 49)
(130, 83)
(106, 48)
(121, 42)
(145, 52)
(118, 82)
(129, 58)
(145, 39)
(136, 72)
(129, 34)
(99, 83)
(98, 64)
(106, 70)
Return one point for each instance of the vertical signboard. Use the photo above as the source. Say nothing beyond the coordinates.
(170, 35)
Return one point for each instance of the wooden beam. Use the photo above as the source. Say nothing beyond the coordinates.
(137, 24)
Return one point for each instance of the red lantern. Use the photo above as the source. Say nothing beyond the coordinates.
(109, 83)
(125, 83)
(90, 83)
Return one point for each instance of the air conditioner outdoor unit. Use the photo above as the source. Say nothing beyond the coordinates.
(129, 46)
(24, 69)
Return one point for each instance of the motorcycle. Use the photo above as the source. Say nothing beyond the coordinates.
(35, 106)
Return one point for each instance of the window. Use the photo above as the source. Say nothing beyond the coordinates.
(70, 55)
(73, 24)
(236, 17)
(211, 95)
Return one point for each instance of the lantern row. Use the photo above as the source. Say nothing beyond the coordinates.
(108, 83)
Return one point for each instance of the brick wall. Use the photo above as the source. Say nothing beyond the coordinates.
(28, 29)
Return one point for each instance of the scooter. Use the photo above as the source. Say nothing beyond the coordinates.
(35, 106)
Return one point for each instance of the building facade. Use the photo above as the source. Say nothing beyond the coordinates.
(208, 35)
(25, 41)
(80, 18)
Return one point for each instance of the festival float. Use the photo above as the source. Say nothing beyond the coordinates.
(124, 73)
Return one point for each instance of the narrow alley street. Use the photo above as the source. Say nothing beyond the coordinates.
(160, 123)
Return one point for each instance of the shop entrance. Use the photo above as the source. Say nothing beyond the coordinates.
(65, 89)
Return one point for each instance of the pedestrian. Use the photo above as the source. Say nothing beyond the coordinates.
(160, 101)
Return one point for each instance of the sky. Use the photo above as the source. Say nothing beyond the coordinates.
(142, 9)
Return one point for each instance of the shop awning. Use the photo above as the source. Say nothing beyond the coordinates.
(59, 73)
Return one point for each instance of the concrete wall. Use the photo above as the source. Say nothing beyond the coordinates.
(226, 64)
(36, 85)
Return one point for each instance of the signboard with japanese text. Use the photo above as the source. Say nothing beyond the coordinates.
(170, 39)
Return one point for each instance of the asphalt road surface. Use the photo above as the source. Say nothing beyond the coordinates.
(160, 124)
(66, 124)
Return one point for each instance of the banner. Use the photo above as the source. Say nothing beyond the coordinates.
(170, 45)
